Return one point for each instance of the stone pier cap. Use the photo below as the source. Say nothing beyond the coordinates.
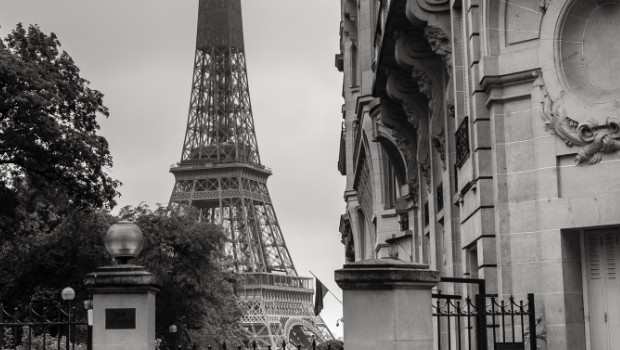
(385, 274)
(122, 279)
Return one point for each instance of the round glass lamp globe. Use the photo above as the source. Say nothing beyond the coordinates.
(124, 240)
(67, 294)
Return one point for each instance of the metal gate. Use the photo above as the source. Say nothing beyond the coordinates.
(485, 322)
(60, 328)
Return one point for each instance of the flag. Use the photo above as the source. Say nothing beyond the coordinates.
(320, 293)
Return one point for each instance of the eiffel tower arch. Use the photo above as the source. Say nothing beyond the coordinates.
(221, 174)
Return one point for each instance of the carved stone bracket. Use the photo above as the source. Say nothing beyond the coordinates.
(406, 148)
(395, 118)
(439, 142)
(440, 44)
(434, 5)
(421, 12)
(416, 116)
(451, 109)
(594, 137)
(434, 93)
(347, 238)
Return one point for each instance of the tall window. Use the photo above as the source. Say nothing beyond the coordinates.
(363, 232)
(391, 183)
(365, 193)
(393, 173)
(354, 64)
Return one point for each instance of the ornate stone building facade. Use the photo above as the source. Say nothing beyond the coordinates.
(481, 137)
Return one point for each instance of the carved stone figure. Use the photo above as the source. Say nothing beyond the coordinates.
(440, 44)
(347, 240)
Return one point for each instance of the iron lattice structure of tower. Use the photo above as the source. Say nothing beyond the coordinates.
(221, 174)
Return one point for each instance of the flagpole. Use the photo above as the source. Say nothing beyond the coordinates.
(330, 292)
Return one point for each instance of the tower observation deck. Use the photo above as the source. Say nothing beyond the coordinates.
(221, 174)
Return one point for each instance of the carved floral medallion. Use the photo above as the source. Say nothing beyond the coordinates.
(579, 92)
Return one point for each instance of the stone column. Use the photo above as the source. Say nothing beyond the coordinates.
(123, 307)
(387, 305)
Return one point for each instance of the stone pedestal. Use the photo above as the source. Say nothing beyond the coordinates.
(123, 307)
(387, 305)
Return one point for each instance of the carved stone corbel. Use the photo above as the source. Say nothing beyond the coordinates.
(594, 137)
(394, 118)
(346, 237)
(434, 5)
(414, 53)
(417, 115)
(433, 91)
(440, 44)
(407, 148)
(421, 12)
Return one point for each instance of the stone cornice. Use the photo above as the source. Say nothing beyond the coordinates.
(122, 279)
(385, 274)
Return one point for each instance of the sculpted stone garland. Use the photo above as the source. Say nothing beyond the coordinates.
(595, 138)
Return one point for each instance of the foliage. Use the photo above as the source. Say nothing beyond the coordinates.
(38, 341)
(51, 159)
(331, 344)
(198, 292)
(34, 268)
(198, 284)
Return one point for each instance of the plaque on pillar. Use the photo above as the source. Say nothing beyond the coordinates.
(120, 318)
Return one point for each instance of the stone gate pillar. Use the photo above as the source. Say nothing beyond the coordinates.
(387, 305)
(123, 295)
(123, 307)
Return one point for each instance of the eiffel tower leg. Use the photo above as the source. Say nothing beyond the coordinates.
(283, 305)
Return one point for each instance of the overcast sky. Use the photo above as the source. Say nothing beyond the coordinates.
(139, 53)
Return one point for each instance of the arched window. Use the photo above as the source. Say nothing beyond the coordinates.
(393, 173)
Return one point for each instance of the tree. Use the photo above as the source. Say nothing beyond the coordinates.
(34, 268)
(198, 292)
(199, 285)
(51, 159)
(331, 344)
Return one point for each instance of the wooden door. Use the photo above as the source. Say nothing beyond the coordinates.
(602, 248)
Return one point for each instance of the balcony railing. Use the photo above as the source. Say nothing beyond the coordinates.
(273, 280)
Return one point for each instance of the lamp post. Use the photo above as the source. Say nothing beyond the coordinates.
(173, 334)
(67, 295)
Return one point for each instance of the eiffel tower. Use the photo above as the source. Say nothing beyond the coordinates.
(221, 174)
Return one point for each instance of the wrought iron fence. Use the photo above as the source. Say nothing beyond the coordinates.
(253, 346)
(484, 323)
(60, 328)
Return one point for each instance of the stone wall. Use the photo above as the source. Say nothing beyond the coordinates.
(498, 120)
